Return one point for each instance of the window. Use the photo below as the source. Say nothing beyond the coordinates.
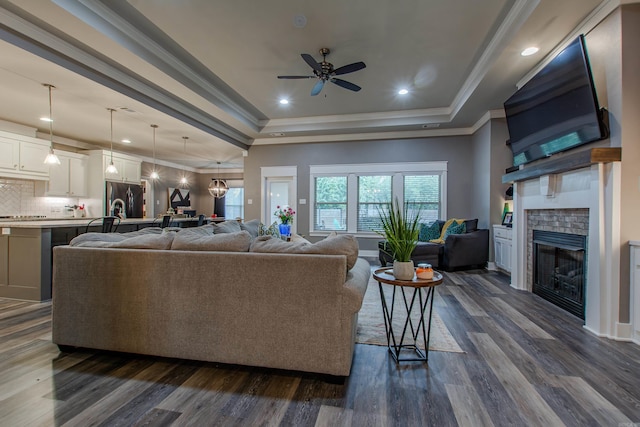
(374, 193)
(422, 192)
(234, 203)
(331, 203)
(349, 197)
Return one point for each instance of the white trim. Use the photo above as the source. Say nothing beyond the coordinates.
(277, 172)
(370, 253)
(391, 168)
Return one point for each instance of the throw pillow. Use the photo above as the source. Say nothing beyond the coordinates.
(456, 228)
(429, 232)
(253, 227)
(226, 227)
(272, 230)
(189, 240)
(446, 225)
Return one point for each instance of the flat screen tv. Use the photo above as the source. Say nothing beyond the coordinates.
(557, 109)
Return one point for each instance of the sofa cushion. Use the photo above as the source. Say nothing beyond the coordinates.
(226, 227)
(429, 232)
(471, 225)
(252, 227)
(159, 241)
(341, 244)
(191, 240)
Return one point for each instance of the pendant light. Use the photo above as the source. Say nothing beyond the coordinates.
(51, 158)
(154, 174)
(218, 187)
(183, 181)
(111, 169)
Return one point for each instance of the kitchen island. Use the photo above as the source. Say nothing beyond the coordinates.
(25, 249)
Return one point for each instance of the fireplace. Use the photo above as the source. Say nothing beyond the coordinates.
(559, 272)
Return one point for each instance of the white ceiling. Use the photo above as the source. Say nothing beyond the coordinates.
(207, 69)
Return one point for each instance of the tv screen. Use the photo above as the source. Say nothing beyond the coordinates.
(556, 110)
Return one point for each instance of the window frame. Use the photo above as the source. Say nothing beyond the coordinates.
(397, 171)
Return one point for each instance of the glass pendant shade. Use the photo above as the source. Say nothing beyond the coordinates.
(111, 169)
(51, 158)
(154, 174)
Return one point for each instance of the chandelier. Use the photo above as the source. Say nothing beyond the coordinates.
(218, 187)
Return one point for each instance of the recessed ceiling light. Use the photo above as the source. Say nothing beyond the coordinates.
(46, 119)
(126, 141)
(529, 51)
(284, 101)
(403, 92)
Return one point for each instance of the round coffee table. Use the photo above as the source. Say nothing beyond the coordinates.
(416, 325)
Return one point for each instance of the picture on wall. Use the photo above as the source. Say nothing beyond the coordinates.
(179, 197)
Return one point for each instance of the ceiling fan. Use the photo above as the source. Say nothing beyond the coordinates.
(324, 72)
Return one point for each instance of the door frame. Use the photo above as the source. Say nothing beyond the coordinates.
(289, 173)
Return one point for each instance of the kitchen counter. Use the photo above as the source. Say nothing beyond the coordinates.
(26, 249)
(82, 222)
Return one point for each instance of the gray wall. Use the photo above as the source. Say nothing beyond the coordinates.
(456, 150)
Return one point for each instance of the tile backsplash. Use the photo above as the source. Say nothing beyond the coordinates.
(17, 197)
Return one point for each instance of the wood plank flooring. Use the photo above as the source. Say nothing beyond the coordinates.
(526, 362)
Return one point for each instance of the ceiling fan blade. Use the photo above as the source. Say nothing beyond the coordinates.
(312, 62)
(296, 77)
(345, 84)
(317, 88)
(349, 68)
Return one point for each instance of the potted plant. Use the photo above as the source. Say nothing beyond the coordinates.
(401, 230)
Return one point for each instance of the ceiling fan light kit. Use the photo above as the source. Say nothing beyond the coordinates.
(324, 72)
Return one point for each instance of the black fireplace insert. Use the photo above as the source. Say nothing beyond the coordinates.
(559, 269)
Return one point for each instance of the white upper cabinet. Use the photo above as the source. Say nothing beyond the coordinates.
(23, 157)
(69, 179)
(128, 169)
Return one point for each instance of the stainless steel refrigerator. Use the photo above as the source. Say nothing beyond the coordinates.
(131, 194)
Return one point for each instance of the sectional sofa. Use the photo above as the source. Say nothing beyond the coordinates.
(229, 297)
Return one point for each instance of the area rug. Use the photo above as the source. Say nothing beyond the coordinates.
(371, 322)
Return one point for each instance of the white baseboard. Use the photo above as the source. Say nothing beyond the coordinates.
(491, 266)
(624, 331)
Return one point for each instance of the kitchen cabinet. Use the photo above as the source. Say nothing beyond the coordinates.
(23, 157)
(502, 247)
(25, 264)
(69, 179)
(128, 169)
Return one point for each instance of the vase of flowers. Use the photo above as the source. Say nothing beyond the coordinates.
(285, 214)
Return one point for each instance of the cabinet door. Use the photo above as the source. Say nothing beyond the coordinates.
(9, 154)
(506, 256)
(32, 157)
(131, 171)
(59, 178)
(499, 252)
(77, 177)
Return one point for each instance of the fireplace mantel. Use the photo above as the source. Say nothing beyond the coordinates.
(566, 163)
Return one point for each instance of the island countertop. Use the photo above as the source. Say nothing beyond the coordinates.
(83, 222)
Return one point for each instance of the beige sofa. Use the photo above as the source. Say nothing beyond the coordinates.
(286, 311)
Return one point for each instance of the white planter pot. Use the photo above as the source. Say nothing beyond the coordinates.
(403, 270)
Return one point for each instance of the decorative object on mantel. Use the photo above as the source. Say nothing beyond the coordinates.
(51, 158)
(285, 214)
(154, 173)
(401, 231)
(218, 187)
(507, 219)
(111, 169)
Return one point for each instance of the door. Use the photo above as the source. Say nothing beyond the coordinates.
(279, 189)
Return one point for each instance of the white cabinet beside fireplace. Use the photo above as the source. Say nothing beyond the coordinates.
(634, 298)
(502, 247)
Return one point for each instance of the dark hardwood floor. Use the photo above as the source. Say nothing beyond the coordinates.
(526, 362)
